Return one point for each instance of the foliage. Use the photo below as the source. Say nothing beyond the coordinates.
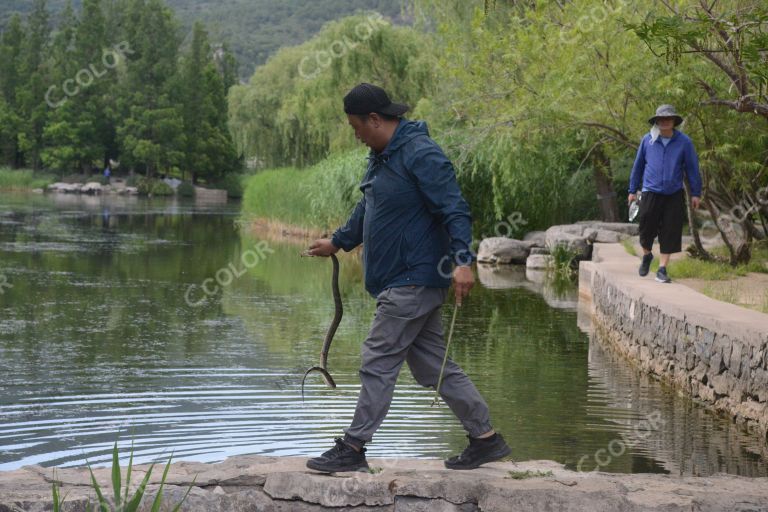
(321, 196)
(290, 113)
(564, 263)
(185, 189)
(233, 184)
(152, 186)
(23, 179)
(120, 501)
(125, 90)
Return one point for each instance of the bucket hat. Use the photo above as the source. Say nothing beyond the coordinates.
(666, 111)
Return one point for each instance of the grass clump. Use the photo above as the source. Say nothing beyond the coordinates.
(321, 196)
(523, 475)
(120, 500)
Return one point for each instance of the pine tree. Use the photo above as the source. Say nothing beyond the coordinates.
(11, 54)
(151, 134)
(209, 151)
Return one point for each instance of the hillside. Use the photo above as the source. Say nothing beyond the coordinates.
(253, 29)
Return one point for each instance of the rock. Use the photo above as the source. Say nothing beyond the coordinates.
(568, 237)
(91, 187)
(132, 191)
(538, 261)
(539, 238)
(608, 237)
(503, 250)
(539, 250)
(626, 228)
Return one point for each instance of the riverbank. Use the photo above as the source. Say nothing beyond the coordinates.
(253, 482)
(715, 352)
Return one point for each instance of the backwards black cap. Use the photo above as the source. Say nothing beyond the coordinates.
(366, 98)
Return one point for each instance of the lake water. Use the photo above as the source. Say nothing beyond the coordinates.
(107, 333)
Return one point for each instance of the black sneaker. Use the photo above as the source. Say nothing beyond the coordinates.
(342, 457)
(479, 452)
(645, 266)
(661, 275)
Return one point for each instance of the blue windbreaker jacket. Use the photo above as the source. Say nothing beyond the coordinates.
(660, 168)
(412, 219)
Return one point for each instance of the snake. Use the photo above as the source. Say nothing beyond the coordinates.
(322, 368)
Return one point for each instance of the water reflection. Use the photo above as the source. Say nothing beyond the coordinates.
(96, 338)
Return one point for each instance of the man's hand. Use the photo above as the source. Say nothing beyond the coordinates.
(695, 202)
(463, 281)
(630, 198)
(322, 247)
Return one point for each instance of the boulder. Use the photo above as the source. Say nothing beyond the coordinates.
(501, 249)
(627, 228)
(539, 238)
(538, 261)
(92, 187)
(570, 236)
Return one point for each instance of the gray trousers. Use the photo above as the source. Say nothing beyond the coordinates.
(408, 327)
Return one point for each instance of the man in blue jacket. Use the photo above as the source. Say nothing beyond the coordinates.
(665, 155)
(415, 226)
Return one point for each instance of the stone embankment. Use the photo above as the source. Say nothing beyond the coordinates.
(271, 484)
(714, 351)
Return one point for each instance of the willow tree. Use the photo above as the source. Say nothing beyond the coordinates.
(538, 71)
(290, 113)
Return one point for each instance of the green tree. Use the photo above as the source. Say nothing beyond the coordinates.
(151, 130)
(13, 139)
(209, 151)
(290, 113)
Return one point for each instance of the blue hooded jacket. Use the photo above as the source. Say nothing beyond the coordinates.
(412, 219)
(659, 168)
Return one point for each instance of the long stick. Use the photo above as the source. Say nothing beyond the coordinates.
(436, 401)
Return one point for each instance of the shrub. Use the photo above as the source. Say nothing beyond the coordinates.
(161, 188)
(185, 189)
(233, 184)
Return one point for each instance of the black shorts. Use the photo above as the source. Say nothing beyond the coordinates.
(662, 215)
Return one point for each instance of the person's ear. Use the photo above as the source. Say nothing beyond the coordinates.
(375, 119)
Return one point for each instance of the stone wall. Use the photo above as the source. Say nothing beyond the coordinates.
(714, 351)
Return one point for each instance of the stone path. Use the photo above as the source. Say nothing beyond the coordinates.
(260, 483)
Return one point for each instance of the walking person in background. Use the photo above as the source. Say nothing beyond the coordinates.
(665, 157)
(415, 226)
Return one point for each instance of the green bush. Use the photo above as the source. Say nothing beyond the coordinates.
(233, 184)
(161, 188)
(185, 189)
